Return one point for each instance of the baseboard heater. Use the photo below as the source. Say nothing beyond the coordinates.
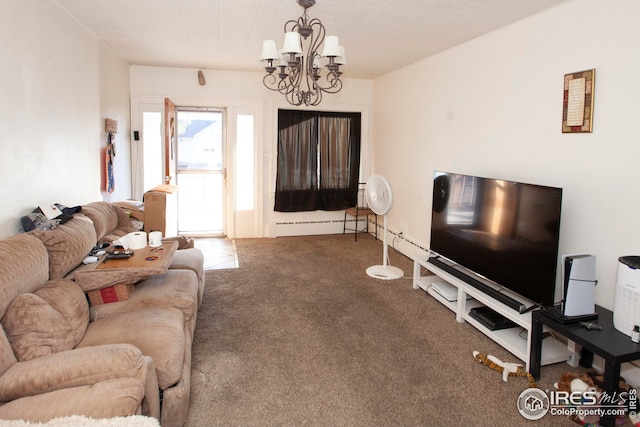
(306, 228)
(493, 293)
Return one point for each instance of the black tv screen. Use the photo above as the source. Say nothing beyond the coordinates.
(504, 231)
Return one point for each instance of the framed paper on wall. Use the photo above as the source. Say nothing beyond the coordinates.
(577, 101)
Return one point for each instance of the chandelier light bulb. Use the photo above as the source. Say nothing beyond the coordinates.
(292, 43)
(269, 50)
(331, 46)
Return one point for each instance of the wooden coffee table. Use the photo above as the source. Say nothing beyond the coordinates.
(143, 263)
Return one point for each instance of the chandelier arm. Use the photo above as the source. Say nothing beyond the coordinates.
(277, 84)
(318, 98)
(269, 80)
(335, 84)
(283, 87)
(318, 36)
(289, 87)
(295, 77)
(292, 95)
(291, 25)
(332, 81)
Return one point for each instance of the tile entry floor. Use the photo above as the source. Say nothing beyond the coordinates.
(219, 253)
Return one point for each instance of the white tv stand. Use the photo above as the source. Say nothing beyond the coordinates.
(515, 340)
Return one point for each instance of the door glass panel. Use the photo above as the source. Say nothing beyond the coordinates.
(200, 172)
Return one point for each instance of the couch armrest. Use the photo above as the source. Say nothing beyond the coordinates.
(72, 368)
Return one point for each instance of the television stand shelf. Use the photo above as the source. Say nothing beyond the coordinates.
(516, 340)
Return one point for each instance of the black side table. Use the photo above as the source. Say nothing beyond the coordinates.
(612, 345)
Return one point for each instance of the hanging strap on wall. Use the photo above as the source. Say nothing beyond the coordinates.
(111, 127)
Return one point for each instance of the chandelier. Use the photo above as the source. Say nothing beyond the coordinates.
(299, 64)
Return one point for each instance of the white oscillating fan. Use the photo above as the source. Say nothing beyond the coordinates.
(380, 199)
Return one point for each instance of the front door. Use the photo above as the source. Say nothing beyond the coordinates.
(201, 171)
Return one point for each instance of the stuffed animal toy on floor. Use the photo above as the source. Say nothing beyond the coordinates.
(506, 369)
(593, 381)
(571, 382)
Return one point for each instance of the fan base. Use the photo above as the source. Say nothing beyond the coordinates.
(384, 272)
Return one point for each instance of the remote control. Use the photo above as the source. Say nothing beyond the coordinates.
(119, 254)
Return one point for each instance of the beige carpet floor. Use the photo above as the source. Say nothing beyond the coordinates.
(299, 335)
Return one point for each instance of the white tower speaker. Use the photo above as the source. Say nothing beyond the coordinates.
(579, 280)
(626, 308)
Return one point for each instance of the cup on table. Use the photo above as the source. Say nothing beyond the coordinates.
(155, 239)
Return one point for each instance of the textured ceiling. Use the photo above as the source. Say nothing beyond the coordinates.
(378, 35)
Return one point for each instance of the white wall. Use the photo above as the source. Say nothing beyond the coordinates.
(241, 90)
(493, 107)
(113, 74)
(58, 84)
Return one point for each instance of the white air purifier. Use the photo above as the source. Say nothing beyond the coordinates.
(626, 308)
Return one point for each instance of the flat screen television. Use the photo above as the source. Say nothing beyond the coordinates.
(499, 233)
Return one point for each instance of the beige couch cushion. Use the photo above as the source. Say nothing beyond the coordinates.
(158, 333)
(191, 259)
(106, 399)
(73, 368)
(103, 215)
(66, 297)
(173, 289)
(68, 244)
(24, 267)
(50, 320)
(35, 329)
(110, 221)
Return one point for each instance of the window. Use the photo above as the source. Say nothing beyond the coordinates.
(318, 160)
(245, 173)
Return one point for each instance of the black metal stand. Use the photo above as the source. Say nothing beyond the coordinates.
(612, 345)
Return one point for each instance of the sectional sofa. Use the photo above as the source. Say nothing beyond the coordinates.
(61, 356)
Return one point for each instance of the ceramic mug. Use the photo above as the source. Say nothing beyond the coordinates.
(155, 239)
